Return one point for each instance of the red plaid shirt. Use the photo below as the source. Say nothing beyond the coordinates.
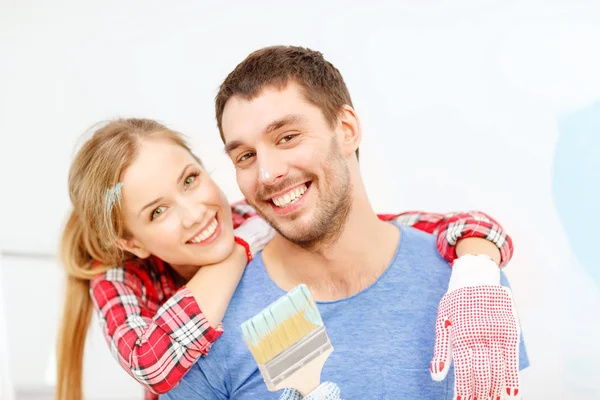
(156, 330)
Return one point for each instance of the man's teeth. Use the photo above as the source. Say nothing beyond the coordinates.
(290, 197)
(207, 232)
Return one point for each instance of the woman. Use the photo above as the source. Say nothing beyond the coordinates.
(146, 216)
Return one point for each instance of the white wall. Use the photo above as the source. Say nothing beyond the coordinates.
(432, 82)
(32, 288)
(7, 390)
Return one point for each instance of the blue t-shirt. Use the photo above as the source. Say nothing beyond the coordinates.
(383, 337)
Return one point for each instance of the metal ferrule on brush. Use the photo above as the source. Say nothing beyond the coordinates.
(292, 359)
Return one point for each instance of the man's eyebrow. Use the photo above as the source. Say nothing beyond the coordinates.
(231, 146)
(273, 126)
(281, 122)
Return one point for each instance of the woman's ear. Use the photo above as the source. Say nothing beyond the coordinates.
(133, 246)
(350, 130)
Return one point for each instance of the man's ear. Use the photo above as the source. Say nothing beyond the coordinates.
(133, 246)
(350, 130)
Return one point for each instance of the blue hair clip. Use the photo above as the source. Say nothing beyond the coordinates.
(113, 195)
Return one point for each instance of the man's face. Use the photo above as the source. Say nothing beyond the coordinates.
(289, 165)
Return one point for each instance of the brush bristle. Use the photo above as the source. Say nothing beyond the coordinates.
(282, 324)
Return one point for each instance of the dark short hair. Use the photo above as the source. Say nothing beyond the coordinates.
(276, 66)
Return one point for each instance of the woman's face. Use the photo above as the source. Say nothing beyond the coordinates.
(173, 209)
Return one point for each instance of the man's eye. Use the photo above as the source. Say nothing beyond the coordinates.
(287, 138)
(157, 212)
(245, 157)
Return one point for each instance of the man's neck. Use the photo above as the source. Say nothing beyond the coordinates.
(361, 253)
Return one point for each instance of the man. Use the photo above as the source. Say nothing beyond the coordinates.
(288, 125)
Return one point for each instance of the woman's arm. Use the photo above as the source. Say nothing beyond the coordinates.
(156, 344)
(471, 232)
(213, 285)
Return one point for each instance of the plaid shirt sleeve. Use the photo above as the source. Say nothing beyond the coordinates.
(452, 227)
(449, 228)
(156, 344)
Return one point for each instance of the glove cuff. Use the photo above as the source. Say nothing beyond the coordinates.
(256, 233)
(325, 391)
(242, 242)
(474, 270)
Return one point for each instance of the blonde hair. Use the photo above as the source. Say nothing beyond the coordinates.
(91, 232)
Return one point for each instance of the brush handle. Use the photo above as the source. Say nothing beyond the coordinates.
(307, 378)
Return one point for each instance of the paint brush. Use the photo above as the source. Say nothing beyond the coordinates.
(289, 342)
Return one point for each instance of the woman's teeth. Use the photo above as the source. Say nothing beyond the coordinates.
(290, 197)
(205, 234)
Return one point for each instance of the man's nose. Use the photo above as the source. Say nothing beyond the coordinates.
(270, 168)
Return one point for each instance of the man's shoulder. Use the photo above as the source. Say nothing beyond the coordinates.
(253, 278)
(256, 262)
(255, 291)
(413, 232)
(416, 242)
(418, 261)
(213, 374)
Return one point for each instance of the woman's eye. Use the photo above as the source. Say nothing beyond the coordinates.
(157, 212)
(189, 180)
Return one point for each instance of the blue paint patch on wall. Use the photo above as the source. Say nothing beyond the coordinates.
(576, 185)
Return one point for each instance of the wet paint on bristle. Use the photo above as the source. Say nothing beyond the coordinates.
(282, 324)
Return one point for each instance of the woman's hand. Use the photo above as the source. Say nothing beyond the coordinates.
(256, 232)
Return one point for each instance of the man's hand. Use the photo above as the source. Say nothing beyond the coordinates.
(477, 327)
(325, 391)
